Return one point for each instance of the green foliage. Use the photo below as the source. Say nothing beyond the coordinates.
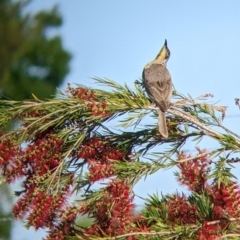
(31, 62)
(72, 146)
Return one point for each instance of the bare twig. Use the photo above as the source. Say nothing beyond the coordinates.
(197, 156)
(229, 131)
(192, 119)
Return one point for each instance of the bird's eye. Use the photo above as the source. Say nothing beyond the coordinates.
(168, 53)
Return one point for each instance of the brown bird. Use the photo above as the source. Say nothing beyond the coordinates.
(158, 84)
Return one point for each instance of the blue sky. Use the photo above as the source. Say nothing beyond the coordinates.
(115, 39)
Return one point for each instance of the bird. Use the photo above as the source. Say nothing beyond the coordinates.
(158, 85)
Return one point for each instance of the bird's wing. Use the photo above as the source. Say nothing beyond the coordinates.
(158, 83)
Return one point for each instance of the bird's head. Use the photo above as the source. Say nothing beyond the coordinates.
(164, 53)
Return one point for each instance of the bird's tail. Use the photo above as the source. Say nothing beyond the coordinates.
(162, 124)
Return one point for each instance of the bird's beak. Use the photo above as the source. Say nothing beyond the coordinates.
(165, 43)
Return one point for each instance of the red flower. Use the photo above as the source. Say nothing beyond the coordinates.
(180, 211)
(209, 232)
(227, 198)
(114, 211)
(95, 107)
(193, 173)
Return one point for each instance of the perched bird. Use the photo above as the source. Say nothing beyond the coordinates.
(158, 84)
